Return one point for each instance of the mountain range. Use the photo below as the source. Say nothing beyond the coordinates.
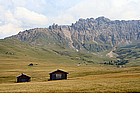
(101, 37)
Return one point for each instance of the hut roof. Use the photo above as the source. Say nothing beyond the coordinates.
(23, 75)
(58, 71)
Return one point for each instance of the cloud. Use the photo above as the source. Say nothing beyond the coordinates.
(9, 29)
(130, 10)
(19, 19)
(8, 24)
(30, 18)
(120, 9)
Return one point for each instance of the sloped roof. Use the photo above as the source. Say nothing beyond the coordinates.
(23, 75)
(58, 71)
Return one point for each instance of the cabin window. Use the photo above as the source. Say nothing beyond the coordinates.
(58, 76)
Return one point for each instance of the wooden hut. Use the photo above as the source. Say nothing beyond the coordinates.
(58, 75)
(31, 64)
(23, 78)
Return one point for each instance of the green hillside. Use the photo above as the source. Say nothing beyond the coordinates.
(130, 53)
(15, 49)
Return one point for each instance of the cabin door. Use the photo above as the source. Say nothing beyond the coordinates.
(58, 76)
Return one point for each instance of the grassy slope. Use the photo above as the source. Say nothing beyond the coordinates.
(84, 78)
(13, 49)
(130, 52)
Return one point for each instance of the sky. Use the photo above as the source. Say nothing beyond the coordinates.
(20, 15)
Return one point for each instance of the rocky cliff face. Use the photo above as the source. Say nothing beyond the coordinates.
(92, 35)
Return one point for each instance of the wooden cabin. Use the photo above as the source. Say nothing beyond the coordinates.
(23, 78)
(58, 75)
(31, 64)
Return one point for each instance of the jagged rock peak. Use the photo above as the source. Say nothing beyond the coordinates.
(102, 18)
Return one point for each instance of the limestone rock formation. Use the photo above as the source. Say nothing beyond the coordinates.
(93, 35)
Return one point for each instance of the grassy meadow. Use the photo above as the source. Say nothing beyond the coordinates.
(86, 75)
(84, 78)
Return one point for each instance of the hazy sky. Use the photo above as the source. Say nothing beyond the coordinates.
(19, 15)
